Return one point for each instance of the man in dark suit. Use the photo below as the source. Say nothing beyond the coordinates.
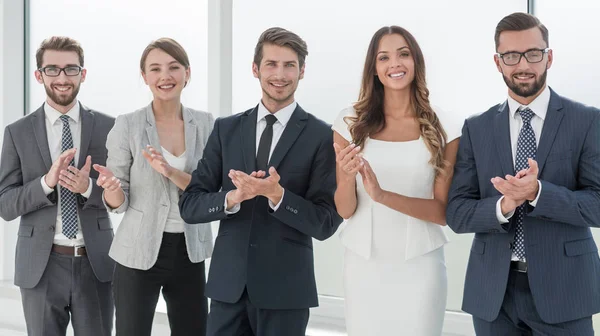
(268, 174)
(530, 193)
(62, 263)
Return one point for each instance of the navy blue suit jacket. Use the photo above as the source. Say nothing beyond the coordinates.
(268, 252)
(562, 257)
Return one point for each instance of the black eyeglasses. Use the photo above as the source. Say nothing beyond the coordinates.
(531, 55)
(52, 71)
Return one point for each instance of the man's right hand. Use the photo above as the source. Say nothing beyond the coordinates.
(63, 161)
(237, 196)
(508, 205)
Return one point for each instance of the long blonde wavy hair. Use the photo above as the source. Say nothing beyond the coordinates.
(370, 118)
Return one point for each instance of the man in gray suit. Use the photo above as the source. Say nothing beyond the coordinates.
(62, 263)
(530, 193)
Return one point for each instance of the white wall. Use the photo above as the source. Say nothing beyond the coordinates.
(458, 47)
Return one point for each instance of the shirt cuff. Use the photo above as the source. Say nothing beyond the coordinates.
(234, 209)
(499, 215)
(534, 202)
(275, 207)
(47, 190)
(88, 192)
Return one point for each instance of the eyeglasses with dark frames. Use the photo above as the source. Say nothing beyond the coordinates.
(531, 55)
(52, 71)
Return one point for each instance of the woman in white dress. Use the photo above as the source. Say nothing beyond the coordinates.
(394, 167)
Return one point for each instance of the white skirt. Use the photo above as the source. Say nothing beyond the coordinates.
(387, 296)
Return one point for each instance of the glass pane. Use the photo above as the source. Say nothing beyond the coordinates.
(113, 35)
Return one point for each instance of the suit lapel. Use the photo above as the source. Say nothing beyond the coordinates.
(87, 125)
(290, 134)
(549, 130)
(41, 135)
(502, 136)
(191, 134)
(153, 140)
(248, 139)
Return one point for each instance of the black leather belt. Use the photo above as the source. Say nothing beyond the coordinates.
(519, 266)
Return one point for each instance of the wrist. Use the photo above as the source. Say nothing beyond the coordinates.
(276, 195)
(50, 185)
(507, 205)
(533, 195)
(380, 196)
(232, 199)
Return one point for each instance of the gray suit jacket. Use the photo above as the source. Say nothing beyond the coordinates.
(25, 159)
(147, 199)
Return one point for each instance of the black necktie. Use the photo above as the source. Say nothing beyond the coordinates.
(264, 146)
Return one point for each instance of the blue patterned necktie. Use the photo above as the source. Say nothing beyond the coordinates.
(526, 148)
(68, 204)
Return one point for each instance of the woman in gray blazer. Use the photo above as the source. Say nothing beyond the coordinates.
(151, 153)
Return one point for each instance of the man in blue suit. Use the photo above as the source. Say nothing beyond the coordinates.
(268, 175)
(527, 183)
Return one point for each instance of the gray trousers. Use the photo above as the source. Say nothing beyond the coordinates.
(68, 290)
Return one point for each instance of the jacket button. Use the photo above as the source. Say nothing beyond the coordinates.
(295, 211)
(51, 228)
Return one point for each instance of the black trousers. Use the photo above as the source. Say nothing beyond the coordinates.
(136, 292)
(244, 319)
(519, 317)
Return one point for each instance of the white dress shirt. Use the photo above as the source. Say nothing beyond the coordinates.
(54, 128)
(283, 117)
(539, 106)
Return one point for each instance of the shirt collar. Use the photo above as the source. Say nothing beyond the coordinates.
(53, 115)
(539, 105)
(283, 115)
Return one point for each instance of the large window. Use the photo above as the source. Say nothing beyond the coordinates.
(113, 34)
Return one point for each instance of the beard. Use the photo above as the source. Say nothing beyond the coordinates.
(60, 99)
(526, 90)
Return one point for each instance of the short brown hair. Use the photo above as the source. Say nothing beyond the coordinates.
(519, 22)
(283, 38)
(58, 43)
(171, 47)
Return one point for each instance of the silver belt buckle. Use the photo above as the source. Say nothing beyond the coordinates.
(75, 253)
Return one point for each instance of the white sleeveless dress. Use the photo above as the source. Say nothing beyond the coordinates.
(394, 268)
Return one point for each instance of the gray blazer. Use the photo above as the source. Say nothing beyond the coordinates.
(25, 159)
(147, 200)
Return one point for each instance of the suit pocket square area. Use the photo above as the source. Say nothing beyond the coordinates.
(580, 247)
(104, 223)
(478, 246)
(25, 231)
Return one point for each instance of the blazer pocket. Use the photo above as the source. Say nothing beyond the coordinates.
(580, 247)
(478, 246)
(297, 243)
(25, 231)
(129, 229)
(104, 224)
